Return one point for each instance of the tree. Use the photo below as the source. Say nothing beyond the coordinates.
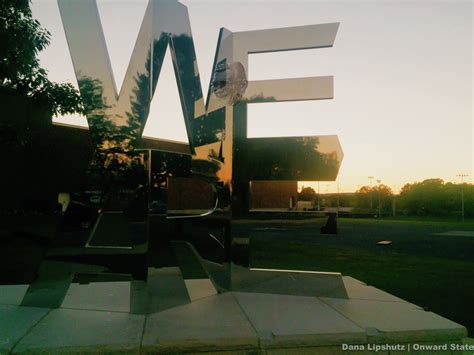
(434, 197)
(307, 194)
(22, 38)
(28, 100)
(376, 196)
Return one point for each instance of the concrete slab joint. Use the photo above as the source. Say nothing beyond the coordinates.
(239, 322)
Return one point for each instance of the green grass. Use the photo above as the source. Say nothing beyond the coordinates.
(432, 221)
(444, 285)
(435, 272)
(407, 221)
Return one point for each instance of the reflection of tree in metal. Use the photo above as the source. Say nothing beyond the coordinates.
(293, 158)
(229, 81)
(116, 168)
(222, 155)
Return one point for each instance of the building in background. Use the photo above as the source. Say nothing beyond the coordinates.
(273, 194)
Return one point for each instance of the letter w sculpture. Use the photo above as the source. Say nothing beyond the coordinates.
(136, 211)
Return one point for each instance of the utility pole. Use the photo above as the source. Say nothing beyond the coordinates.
(394, 201)
(370, 183)
(380, 209)
(462, 176)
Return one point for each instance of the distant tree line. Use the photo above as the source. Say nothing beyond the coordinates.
(379, 198)
(434, 197)
(431, 197)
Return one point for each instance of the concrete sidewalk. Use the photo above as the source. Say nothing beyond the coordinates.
(226, 323)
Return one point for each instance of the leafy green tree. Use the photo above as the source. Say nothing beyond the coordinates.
(28, 100)
(434, 197)
(22, 38)
(307, 193)
(346, 200)
(374, 197)
(363, 197)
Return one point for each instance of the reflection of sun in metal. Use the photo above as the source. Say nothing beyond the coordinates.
(229, 81)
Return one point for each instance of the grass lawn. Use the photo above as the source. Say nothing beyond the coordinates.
(433, 221)
(434, 272)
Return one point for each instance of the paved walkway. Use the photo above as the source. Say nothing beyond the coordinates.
(96, 318)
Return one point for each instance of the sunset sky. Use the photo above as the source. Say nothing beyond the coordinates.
(403, 76)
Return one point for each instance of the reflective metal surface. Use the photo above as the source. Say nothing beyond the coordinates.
(293, 158)
(142, 209)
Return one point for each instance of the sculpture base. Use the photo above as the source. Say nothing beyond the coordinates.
(96, 318)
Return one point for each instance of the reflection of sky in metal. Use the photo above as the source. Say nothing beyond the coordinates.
(402, 78)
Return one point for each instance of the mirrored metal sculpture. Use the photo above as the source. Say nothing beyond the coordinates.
(143, 209)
